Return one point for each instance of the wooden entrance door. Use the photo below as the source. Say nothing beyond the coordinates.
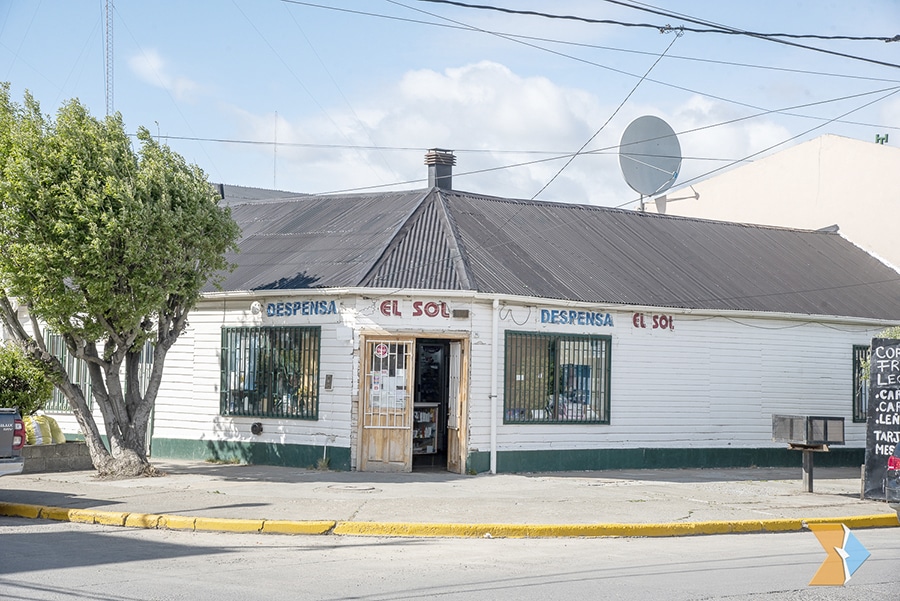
(456, 431)
(386, 437)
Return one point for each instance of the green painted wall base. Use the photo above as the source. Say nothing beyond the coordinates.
(308, 456)
(617, 459)
(259, 453)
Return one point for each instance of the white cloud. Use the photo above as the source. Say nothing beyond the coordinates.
(485, 106)
(715, 135)
(151, 68)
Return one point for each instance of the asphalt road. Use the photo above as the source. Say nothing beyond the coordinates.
(42, 560)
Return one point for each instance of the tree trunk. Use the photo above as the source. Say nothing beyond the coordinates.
(120, 459)
(125, 410)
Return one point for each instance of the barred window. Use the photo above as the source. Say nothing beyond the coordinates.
(860, 383)
(555, 378)
(78, 371)
(76, 368)
(271, 372)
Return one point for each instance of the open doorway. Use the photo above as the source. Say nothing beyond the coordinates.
(431, 403)
(429, 433)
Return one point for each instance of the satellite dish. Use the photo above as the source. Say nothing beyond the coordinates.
(649, 155)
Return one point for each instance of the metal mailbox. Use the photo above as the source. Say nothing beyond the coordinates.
(808, 430)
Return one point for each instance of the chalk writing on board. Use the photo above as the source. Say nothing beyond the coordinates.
(883, 420)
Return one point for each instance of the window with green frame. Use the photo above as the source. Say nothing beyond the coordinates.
(556, 378)
(76, 368)
(860, 383)
(78, 371)
(271, 372)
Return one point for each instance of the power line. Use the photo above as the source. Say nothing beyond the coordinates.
(890, 92)
(396, 2)
(555, 155)
(663, 28)
(451, 24)
(592, 46)
(614, 113)
(582, 60)
(715, 27)
(726, 29)
(772, 147)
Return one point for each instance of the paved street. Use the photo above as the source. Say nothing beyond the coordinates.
(44, 561)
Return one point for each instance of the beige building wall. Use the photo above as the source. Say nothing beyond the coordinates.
(826, 181)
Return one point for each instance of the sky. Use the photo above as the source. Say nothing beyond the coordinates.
(336, 96)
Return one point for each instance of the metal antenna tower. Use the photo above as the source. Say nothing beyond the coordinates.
(108, 56)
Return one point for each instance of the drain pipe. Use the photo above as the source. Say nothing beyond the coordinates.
(494, 375)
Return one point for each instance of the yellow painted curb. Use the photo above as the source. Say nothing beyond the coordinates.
(176, 522)
(142, 520)
(60, 514)
(20, 510)
(882, 520)
(531, 530)
(228, 524)
(408, 529)
(289, 527)
(600, 530)
(92, 516)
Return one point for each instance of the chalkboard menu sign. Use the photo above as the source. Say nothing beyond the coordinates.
(883, 428)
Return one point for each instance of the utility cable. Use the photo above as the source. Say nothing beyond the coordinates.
(611, 117)
(295, 76)
(523, 40)
(715, 29)
(557, 157)
(729, 30)
(593, 46)
(763, 112)
(163, 85)
(772, 147)
(340, 91)
(582, 60)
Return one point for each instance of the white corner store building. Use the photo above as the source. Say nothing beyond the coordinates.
(439, 329)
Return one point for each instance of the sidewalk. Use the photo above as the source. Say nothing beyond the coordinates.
(203, 496)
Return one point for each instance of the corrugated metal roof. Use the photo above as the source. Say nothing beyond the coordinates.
(241, 194)
(424, 254)
(315, 241)
(607, 255)
(439, 239)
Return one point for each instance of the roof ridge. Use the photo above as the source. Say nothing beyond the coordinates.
(396, 238)
(458, 253)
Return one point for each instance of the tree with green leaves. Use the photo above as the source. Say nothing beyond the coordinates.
(892, 332)
(22, 381)
(108, 247)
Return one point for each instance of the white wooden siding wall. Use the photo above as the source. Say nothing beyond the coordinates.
(479, 394)
(174, 411)
(711, 382)
(190, 410)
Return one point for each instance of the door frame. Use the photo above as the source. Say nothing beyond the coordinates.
(457, 449)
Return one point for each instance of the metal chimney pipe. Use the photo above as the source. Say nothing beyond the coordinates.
(440, 168)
